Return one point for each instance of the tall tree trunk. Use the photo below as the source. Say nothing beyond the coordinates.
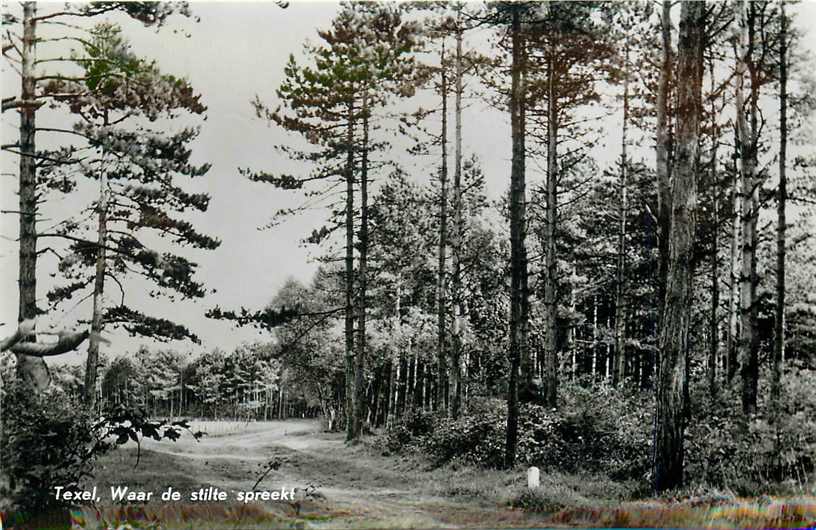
(441, 398)
(391, 394)
(734, 274)
(594, 336)
(572, 332)
(518, 253)
(663, 152)
(360, 365)
(458, 236)
(349, 278)
(620, 287)
(672, 379)
(551, 263)
(749, 340)
(410, 384)
(92, 361)
(608, 348)
(779, 328)
(713, 322)
(419, 381)
(32, 370)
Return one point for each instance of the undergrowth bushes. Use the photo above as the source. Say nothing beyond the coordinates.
(724, 449)
(50, 439)
(598, 429)
(602, 430)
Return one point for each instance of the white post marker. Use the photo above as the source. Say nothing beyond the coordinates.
(532, 477)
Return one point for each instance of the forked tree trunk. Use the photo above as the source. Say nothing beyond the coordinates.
(673, 343)
(663, 152)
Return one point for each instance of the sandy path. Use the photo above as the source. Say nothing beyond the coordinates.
(362, 486)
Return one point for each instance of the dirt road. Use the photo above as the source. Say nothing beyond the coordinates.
(357, 486)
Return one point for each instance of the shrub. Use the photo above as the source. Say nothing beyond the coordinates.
(473, 439)
(538, 500)
(413, 424)
(596, 429)
(724, 449)
(48, 439)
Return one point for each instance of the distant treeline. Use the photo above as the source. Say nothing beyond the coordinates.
(246, 384)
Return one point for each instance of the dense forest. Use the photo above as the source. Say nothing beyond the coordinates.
(639, 300)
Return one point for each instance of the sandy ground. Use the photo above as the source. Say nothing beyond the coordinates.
(358, 486)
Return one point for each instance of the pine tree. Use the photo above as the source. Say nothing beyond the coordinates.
(21, 48)
(363, 62)
(138, 169)
(674, 331)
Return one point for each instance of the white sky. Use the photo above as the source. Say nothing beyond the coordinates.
(237, 50)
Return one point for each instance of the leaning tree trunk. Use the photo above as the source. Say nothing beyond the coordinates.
(779, 328)
(441, 398)
(92, 361)
(518, 254)
(673, 341)
(349, 278)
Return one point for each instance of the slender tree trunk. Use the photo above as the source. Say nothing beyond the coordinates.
(663, 151)
(749, 340)
(419, 381)
(374, 399)
(92, 361)
(713, 323)
(441, 398)
(573, 335)
(672, 379)
(349, 278)
(518, 253)
(594, 336)
(551, 263)
(32, 370)
(400, 391)
(410, 387)
(781, 222)
(389, 396)
(458, 229)
(620, 287)
(360, 365)
(608, 348)
(734, 288)
(395, 372)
